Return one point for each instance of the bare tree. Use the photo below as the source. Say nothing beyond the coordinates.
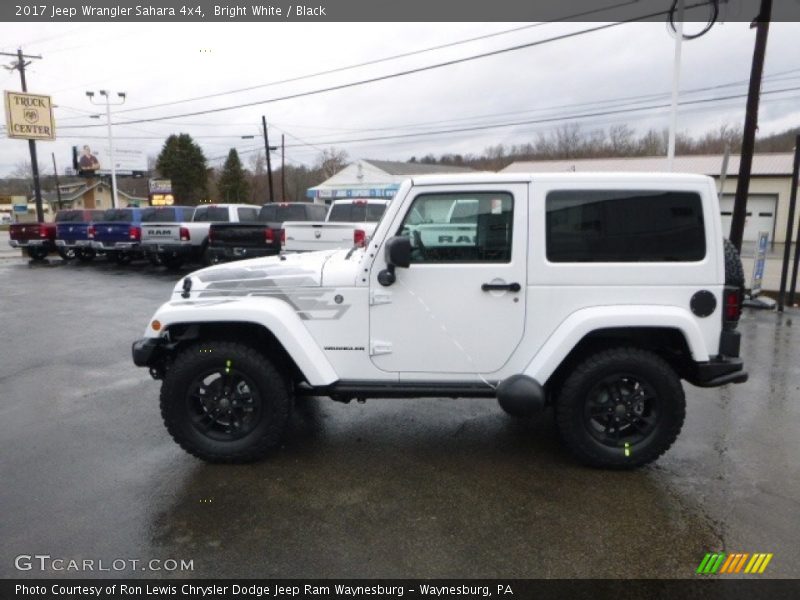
(331, 161)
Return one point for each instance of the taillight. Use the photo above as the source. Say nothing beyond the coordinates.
(210, 234)
(42, 231)
(134, 233)
(733, 304)
(359, 238)
(185, 236)
(269, 235)
(283, 237)
(90, 232)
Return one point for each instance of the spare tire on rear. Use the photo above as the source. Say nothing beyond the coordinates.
(734, 273)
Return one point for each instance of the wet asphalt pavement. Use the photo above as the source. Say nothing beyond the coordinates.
(392, 488)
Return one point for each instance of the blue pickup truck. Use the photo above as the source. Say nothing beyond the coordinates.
(118, 234)
(72, 233)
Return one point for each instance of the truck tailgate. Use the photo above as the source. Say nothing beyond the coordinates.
(305, 237)
(159, 233)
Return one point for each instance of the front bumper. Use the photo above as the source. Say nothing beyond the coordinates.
(146, 351)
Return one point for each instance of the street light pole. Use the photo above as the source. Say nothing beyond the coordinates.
(105, 94)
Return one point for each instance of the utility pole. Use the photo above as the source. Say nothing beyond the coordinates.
(283, 168)
(790, 230)
(37, 188)
(750, 124)
(269, 162)
(55, 174)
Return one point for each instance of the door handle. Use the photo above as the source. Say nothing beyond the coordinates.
(491, 287)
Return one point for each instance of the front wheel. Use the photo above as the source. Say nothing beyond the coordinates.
(225, 402)
(620, 408)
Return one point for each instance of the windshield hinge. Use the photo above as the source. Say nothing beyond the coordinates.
(378, 347)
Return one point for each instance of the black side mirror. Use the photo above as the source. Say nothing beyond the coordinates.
(397, 254)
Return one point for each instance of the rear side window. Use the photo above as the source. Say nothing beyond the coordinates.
(357, 212)
(210, 214)
(624, 226)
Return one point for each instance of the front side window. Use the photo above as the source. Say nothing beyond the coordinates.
(624, 226)
(460, 228)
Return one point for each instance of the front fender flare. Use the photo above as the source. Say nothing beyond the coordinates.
(271, 313)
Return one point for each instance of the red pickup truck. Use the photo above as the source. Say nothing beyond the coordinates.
(38, 239)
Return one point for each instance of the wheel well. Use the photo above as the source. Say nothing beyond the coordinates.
(254, 335)
(668, 343)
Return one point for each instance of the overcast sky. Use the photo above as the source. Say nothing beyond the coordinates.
(161, 63)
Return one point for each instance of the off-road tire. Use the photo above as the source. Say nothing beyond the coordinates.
(575, 400)
(734, 272)
(271, 388)
(37, 252)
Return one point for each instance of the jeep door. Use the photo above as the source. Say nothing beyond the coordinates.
(460, 306)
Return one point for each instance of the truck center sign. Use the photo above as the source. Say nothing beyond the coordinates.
(29, 116)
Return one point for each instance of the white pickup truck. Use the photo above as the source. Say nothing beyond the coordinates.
(172, 244)
(349, 223)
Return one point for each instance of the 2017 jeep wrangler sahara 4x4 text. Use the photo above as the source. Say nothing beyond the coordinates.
(596, 294)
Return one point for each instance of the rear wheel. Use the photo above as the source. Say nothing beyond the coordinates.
(621, 408)
(37, 252)
(209, 257)
(225, 402)
(155, 259)
(173, 263)
(67, 253)
(86, 254)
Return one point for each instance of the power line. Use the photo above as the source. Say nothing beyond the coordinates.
(382, 60)
(391, 75)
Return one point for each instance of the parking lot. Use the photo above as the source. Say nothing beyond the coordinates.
(390, 488)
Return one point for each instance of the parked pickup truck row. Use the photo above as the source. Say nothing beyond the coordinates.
(212, 233)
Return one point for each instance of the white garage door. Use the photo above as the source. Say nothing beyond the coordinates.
(760, 215)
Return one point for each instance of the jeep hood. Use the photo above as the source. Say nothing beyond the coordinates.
(263, 276)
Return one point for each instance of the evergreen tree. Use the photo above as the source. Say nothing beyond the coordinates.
(182, 161)
(232, 185)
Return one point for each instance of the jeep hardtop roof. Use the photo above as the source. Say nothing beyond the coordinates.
(489, 178)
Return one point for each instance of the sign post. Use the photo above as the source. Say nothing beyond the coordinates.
(758, 264)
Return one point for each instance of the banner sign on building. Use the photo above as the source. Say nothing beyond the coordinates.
(29, 116)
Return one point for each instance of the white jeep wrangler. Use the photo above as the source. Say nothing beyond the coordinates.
(595, 294)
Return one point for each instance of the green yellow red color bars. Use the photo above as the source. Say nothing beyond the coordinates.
(720, 562)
